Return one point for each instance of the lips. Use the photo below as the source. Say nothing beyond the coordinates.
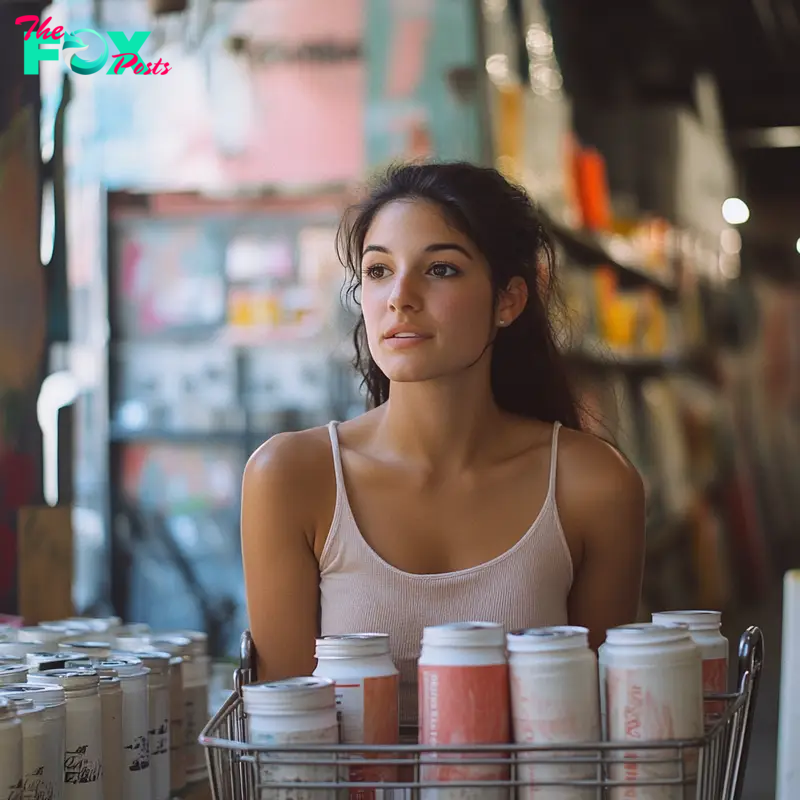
(404, 333)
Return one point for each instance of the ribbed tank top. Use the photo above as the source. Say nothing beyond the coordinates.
(524, 587)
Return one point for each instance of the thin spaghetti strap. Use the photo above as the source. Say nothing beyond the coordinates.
(551, 490)
(337, 457)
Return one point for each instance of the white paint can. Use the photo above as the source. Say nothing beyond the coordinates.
(297, 711)
(83, 752)
(51, 700)
(10, 751)
(555, 700)
(653, 680)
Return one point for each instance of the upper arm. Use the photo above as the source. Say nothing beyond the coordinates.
(280, 568)
(606, 517)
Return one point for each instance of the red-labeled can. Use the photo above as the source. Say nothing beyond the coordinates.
(463, 699)
(704, 628)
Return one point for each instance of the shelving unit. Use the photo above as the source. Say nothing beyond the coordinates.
(656, 339)
(210, 354)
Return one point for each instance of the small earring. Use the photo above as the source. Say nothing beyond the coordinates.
(501, 322)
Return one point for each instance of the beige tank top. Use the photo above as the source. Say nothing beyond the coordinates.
(525, 587)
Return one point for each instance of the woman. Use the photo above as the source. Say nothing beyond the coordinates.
(459, 495)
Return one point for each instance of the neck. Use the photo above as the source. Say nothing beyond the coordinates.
(441, 424)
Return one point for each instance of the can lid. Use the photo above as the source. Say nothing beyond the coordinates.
(644, 633)
(156, 661)
(20, 648)
(696, 620)
(13, 673)
(198, 640)
(88, 646)
(556, 637)
(44, 660)
(464, 634)
(39, 634)
(67, 627)
(133, 629)
(7, 710)
(124, 666)
(176, 645)
(41, 694)
(92, 666)
(71, 680)
(353, 645)
(129, 642)
(290, 696)
(96, 624)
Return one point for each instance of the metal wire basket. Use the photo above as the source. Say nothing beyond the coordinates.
(709, 768)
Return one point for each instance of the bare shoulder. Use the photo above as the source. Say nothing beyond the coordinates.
(291, 455)
(293, 470)
(596, 466)
(600, 492)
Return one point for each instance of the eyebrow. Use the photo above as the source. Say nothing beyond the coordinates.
(431, 248)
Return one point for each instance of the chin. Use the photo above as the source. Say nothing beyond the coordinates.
(409, 370)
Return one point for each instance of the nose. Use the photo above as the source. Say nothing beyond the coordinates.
(405, 294)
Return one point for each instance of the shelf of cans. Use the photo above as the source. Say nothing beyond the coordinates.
(479, 686)
(91, 709)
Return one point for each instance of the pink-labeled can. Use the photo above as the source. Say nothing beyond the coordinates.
(554, 700)
(463, 699)
(704, 628)
(653, 681)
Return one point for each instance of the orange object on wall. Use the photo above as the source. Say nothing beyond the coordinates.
(510, 133)
(593, 194)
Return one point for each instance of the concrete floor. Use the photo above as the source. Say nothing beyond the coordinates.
(760, 777)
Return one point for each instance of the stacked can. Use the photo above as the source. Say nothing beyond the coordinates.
(704, 628)
(10, 751)
(464, 699)
(111, 705)
(110, 690)
(554, 700)
(40, 774)
(653, 682)
(367, 697)
(50, 699)
(294, 712)
(195, 670)
(83, 757)
(196, 680)
(177, 767)
(133, 677)
(181, 705)
(159, 719)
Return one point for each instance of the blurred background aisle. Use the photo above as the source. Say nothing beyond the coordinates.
(170, 295)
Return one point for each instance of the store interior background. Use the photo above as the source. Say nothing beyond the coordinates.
(170, 296)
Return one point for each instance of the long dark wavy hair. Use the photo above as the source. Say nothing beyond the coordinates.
(528, 374)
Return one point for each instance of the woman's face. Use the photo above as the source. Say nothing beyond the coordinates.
(426, 294)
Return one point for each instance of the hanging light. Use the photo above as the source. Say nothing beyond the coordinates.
(735, 211)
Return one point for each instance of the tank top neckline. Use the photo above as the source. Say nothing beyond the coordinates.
(343, 507)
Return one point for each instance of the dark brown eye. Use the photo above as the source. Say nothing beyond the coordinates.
(441, 270)
(376, 271)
